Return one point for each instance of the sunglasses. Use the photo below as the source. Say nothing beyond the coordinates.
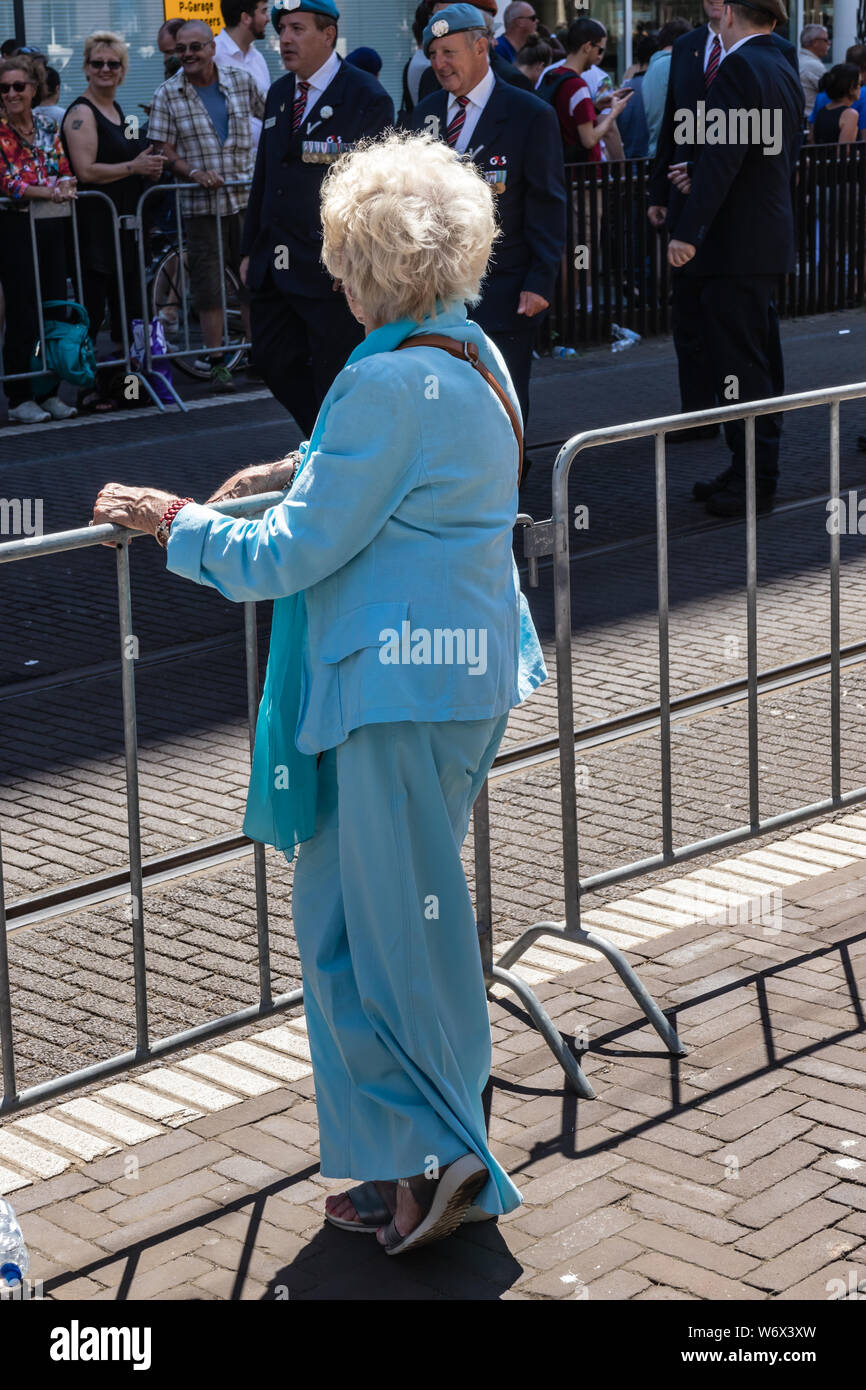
(113, 63)
(7, 87)
(191, 47)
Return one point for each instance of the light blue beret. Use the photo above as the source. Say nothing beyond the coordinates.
(311, 6)
(452, 20)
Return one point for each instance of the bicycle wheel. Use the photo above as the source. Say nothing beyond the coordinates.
(180, 322)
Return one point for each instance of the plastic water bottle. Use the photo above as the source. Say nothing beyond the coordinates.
(622, 338)
(14, 1259)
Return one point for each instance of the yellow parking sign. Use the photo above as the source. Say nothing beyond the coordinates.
(207, 10)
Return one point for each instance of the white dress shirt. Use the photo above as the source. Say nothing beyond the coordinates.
(318, 82)
(478, 99)
(228, 54)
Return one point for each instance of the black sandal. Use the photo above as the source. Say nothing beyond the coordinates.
(371, 1207)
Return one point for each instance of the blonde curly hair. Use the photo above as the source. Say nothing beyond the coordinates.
(406, 222)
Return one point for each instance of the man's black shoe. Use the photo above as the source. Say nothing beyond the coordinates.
(701, 491)
(688, 436)
(731, 502)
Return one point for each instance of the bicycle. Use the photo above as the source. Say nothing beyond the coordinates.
(177, 316)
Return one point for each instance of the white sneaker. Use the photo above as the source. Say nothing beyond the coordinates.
(28, 413)
(57, 409)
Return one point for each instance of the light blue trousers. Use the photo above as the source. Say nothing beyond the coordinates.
(393, 986)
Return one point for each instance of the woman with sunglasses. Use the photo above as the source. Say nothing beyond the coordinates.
(108, 156)
(33, 168)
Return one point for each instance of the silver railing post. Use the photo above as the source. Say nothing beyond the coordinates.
(564, 687)
(128, 653)
(752, 621)
(664, 643)
(7, 1042)
(835, 625)
(251, 647)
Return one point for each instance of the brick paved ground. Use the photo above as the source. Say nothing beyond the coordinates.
(736, 1173)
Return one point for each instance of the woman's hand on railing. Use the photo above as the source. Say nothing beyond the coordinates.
(137, 508)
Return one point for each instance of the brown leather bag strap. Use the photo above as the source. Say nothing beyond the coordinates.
(468, 352)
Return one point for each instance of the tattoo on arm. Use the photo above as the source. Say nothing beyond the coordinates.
(76, 125)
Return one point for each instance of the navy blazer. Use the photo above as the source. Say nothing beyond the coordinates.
(740, 212)
(516, 143)
(284, 199)
(686, 87)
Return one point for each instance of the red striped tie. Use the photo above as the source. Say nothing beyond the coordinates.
(713, 64)
(457, 123)
(300, 105)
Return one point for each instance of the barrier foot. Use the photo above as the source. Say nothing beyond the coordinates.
(548, 1030)
(654, 1015)
(170, 388)
(139, 376)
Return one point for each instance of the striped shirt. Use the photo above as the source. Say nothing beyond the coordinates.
(178, 116)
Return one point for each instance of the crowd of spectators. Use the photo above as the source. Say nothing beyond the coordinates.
(51, 150)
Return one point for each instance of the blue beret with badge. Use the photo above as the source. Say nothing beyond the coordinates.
(326, 7)
(454, 19)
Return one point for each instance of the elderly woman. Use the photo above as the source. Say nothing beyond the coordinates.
(391, 675)
(109, 158)
(33, 168)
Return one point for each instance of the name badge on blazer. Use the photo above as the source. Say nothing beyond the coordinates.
(323, 151)
(271, 121)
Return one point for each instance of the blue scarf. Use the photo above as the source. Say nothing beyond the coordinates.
(281, 802)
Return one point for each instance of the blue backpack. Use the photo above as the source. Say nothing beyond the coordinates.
(69, 354)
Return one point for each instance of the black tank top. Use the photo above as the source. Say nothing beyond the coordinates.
(113, 147)
(826, 125)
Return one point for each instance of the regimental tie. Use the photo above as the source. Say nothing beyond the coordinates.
(300, 105)
(713, 63)
(452, 134)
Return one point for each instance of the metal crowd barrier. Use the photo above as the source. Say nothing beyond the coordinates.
(145, 1050)
(541, 538)
(146, 369)
(552, 538)
(178, 251)
(68, 212)
(614, 267)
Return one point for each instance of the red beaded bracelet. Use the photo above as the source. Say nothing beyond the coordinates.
(168, 517)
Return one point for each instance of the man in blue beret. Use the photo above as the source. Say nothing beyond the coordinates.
(302, 330)
(513, 138)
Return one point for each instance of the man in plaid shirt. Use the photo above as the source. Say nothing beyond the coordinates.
(200, 121)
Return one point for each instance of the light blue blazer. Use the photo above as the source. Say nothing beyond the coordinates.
(399, 532)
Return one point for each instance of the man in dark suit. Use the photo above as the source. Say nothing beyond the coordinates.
(501, 66)
(513, 139)
(302, 330)
(695, 61)
(733, 235)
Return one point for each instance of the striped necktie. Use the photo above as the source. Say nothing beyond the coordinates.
(300, 105)
(454, 129)
(713, 64)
